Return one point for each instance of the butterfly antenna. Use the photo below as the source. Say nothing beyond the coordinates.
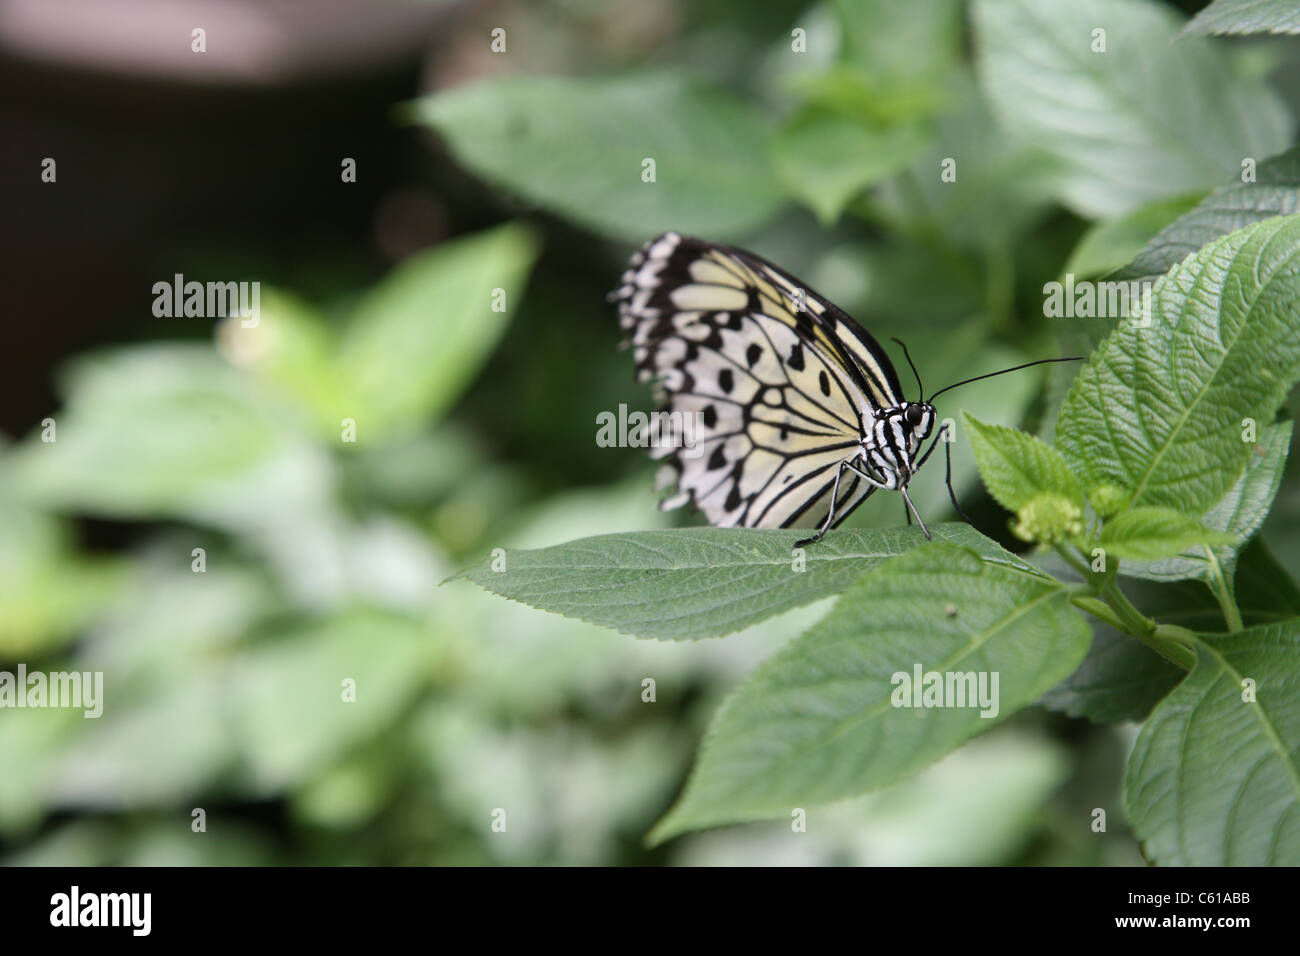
(907, 355)
(1015, 368)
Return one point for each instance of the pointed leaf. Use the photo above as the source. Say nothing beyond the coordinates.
(819, 721)
(1137, 120)
(578, 147)
(417, 340)
(1145, 534)
(1214, 778)
(1240, 513)
(1275, 191)
(1158, 410)
(703, 582)
(1017, 467)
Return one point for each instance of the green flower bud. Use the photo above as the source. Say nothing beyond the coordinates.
(1107, 499)
(1048, 519)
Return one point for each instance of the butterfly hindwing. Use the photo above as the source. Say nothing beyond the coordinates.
(776, 381)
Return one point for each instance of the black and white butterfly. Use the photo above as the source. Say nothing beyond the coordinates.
(800, 412)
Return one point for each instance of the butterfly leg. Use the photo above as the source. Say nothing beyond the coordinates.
(830, 515)
(947, 478)
(924, 530)
(930, 451)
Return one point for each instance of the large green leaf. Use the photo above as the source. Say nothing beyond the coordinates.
(1158, 410)
(1274, 192)
(167, 430)
(818, 721)
(899, 51)
(1214, 779)
(1240, 513)
(1246, 16)
(1120, 679)
(1107, 246)
(1142, 120)
(827, 158)
(417, 339)
(577, 147)
(703, 582)
(291, 717)
(1001, 185)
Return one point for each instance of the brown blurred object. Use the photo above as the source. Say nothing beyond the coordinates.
(258, 42)
(408, 221)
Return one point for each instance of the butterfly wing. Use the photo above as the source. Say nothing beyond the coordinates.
(778, 394)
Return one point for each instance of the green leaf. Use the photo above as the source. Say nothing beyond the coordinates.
(826, 158)
(1213, 779)
(166, 430)
(1107, 246)
(1275, 192)
(702, 582)
(1240, 513)
(1265, 591)
(1246, 16)
(1017, 467)
(901, 50)
(1158, 410)
(48, 591)
(290, 715)
(1120, 679)
(1002, 186)
(817, 722)
(292, 347)
(1143, 120)
(1145, 534)
(577, 148)
(165, 748)
(419, 338)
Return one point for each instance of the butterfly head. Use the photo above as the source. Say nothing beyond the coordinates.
(896, 438)
(919, 417)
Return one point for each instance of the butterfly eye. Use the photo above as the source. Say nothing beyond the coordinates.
(913, 415)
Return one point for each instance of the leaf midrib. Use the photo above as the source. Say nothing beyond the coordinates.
(1260, 288)
(1266, 725)
(970, 647)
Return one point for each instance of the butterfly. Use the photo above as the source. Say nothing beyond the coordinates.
(798, 414)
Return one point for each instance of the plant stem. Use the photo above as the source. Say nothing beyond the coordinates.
(1218, 583)
(1136, 622)
(1075, 563)
(1177, 644)
(1104, 600)
(1098, 609)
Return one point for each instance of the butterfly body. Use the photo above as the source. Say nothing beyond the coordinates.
(895, 439)
(800, 410)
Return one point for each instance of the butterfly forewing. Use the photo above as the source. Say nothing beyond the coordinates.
(777, 379)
